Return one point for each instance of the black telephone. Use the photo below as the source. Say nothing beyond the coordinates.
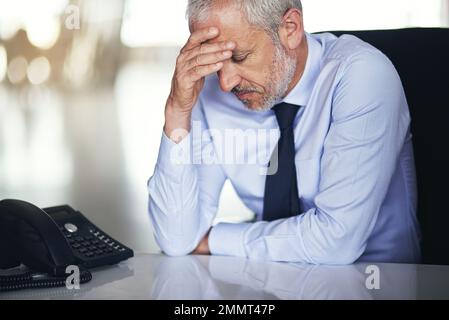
(49, 240)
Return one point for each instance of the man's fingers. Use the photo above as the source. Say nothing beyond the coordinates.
(202, 71)
(209, 48)
(200, 36)
(210, 58)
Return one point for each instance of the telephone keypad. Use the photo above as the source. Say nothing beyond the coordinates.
(94, 245)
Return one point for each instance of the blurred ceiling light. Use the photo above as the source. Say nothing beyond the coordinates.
(17, 69)
(39, 70)
(43, 32)
(30, 15)
(3, 63)
(8, 28)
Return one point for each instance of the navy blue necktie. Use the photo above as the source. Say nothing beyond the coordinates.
(281, 198)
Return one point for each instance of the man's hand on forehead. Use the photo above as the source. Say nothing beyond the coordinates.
(197, 59)
(199, 55)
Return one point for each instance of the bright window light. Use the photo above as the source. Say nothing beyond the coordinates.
(154, 23)
(321, 15)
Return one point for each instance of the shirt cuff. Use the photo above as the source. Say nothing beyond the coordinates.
(227, 239)
(174, 157)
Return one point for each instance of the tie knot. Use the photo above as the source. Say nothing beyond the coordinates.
(285, 114)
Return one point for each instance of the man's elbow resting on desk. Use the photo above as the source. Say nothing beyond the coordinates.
(177, 249)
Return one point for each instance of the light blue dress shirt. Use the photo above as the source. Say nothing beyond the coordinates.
(354, 162)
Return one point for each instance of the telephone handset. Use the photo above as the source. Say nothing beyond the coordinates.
(48, 241)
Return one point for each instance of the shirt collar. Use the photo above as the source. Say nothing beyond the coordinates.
(300, 94)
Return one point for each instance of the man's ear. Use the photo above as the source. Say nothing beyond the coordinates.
(291, 30)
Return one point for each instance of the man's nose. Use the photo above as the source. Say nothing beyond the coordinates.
(228, 77)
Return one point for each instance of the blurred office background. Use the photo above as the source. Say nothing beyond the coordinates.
(83, 85)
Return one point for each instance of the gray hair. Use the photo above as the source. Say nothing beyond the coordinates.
(265, 14)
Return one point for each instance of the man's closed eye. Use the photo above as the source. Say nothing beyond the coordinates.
(239, 59)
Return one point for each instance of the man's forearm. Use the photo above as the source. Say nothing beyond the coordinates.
(173, 203)
(177, 123)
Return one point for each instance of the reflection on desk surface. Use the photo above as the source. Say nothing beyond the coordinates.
(205, 277)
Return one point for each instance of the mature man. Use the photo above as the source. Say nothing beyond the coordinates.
(340, 186)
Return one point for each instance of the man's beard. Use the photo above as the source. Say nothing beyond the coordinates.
(281, 75)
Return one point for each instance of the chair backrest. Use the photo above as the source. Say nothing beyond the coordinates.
(421, 57)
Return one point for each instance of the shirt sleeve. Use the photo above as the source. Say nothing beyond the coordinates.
(370, 121)
(183, 191)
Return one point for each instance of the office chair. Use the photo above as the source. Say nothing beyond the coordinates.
(421, 57)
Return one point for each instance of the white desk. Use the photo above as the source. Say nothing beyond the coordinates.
(203, 277)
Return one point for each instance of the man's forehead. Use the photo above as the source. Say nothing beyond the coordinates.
(230, 22)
